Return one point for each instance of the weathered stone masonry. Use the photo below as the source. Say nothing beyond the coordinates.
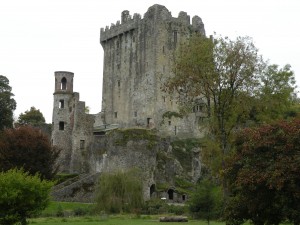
(138, 57)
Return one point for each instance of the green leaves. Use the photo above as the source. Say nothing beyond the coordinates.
(21, 196)
(7, 104)
(120, 192)
(32, 117)
(264, 171)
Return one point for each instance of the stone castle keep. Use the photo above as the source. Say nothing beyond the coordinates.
(138, 57)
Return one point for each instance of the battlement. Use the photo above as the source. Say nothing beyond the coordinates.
(155, 12)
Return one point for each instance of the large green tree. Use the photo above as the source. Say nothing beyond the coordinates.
(205, 200)
(236, 85)
(32, 117)
(22, 196)
(7, 104)
(263, 174)
(222, 72)
(29, 148)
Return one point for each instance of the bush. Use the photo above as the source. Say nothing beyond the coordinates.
(21, 196)
(120, 192)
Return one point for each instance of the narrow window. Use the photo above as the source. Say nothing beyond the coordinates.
(63, 84)
(61, 104)
(163, 50)
(82, 144)
(119, 83)
(175, 37)
(164, 98)
(116, 115)
(135, 114)
(148, 121)
(175, 130)
(169, 122)
(61, 125)
(183, 197)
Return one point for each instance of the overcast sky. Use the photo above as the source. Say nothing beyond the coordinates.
(38, 37)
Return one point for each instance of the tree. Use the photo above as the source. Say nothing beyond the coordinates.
(27, 147)
(222, 72)
(32, 117)
(21, 196)
(263, 174)
(205, 200)
(7, 104)
(275, 95)
(120, 192)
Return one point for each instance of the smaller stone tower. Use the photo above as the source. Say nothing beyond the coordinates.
(62, 118)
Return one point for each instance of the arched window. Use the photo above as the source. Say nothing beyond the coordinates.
(63, 84)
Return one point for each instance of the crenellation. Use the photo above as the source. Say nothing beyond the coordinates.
(198, 25)
(138, 59)
(184, 17)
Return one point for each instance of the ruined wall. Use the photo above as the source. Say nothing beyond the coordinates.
(138, 56)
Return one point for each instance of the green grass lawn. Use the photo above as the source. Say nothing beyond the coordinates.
(112, 220)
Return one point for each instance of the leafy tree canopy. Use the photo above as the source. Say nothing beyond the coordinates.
(21, 196)
(27, 147)
(7, 104)
(236, 85)
(33, 117)
(263, 174)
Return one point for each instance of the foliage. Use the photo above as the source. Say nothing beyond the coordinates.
(263, 174)
(27, 147)
(120, 192)
(183, 151)
(21, 196)
(59, 208)
(7, 104)
(275, 95)
(32, 117)
(136, 134)
(223, 72)
(205, 201)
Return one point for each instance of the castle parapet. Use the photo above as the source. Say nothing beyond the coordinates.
(127, 24)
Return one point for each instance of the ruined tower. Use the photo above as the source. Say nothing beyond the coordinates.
(138, 57)
(72, 127)
(62, 128)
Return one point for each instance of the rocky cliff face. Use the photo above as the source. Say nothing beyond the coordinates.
(167, 166)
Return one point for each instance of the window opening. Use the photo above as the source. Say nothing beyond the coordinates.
(175, 130)
(171, 194)
(82, 142)
(135, 114)
(116, 114)
(183, 197)
(148, 121)
(61, 104)
(152, 189)
(175, 37)
(63, 84)
(61, 125)
(169, 122)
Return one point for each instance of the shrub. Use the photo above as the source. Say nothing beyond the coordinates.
(21, 196)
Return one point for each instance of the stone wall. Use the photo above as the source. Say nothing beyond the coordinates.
(138, 57)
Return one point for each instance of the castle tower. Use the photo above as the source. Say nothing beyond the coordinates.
(62, 119)
(138, 59)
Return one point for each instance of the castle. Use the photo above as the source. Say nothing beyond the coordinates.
(138, 57)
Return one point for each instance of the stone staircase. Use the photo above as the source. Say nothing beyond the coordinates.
(76, 189)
